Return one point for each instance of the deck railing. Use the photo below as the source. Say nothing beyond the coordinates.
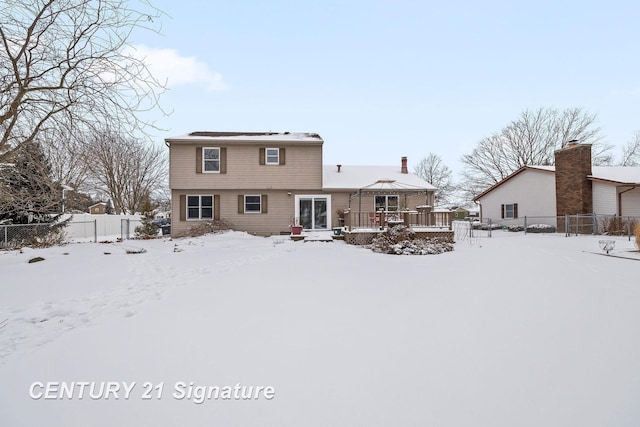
(379, 220)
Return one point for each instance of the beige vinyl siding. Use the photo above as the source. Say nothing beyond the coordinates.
(303, 169)
(604, 199)
(279, 214)
(630, 201)
(338, 201)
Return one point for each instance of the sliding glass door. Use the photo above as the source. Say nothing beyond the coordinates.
(313, 212)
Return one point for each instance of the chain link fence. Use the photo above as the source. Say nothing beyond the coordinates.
(18, 235)
(568, 225)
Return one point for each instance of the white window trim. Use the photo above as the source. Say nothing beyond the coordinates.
(266, 156)
(200, 196)
(259, 196)
(204, 160)
(506, 211)
(312, 196)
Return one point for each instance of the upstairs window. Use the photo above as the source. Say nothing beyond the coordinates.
(211, 160)
(272, 156)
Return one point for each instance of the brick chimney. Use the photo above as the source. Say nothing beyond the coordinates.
(574, 194)
(404, 165)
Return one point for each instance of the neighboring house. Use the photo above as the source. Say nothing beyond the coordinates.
(98, 208)
(572, 186)
(264, 182)
(529, 191)
(459, 213)
(474, 212)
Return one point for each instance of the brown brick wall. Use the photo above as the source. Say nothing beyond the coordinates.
(574, 193)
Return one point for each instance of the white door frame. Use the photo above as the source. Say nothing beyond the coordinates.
(327, 197)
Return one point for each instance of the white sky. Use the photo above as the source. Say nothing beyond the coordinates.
(380, 80)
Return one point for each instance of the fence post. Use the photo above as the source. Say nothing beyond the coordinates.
(6, 238)
(567, 231)
(525, 225)
(595, 223)
(490, 227)
(95, 231)
(629, 227)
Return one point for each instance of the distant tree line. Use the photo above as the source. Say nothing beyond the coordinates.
(529, 140)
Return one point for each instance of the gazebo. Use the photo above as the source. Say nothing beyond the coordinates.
(386, 188)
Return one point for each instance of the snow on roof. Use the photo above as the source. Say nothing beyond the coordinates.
(247, 136)
(544, 168)
(371, 177)
(620, 174)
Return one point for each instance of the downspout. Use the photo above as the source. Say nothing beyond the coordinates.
(620, 200)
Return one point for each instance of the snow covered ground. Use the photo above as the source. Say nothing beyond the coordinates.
(509, 331)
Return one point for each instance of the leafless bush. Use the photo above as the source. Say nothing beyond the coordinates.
(636, 232)
(619, 226)
(208, 227)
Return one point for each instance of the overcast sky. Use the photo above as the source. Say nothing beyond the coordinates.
(383, 79)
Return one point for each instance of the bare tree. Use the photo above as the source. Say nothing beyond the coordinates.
(67, 158)
(531, 139)
(434, 171)
(128, 171)
(631, 152)
(65, 67)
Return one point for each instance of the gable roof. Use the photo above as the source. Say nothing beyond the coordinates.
(617, 175)
(371, 177)
(544, 169)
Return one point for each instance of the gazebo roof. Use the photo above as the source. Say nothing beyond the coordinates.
(383, 185)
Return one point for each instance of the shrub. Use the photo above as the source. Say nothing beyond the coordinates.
(148, 229)
(541, 228)
(400, 240)
(515, 228)
(636, 233)
(485, 226)
(619, 226)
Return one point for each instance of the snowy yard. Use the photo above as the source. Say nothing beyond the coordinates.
(510, 331)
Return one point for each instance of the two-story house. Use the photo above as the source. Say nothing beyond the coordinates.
(265, 182)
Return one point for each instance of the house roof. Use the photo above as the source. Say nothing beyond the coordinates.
(618, 175)
(371, 178)
(265, 137)
(98, 204)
